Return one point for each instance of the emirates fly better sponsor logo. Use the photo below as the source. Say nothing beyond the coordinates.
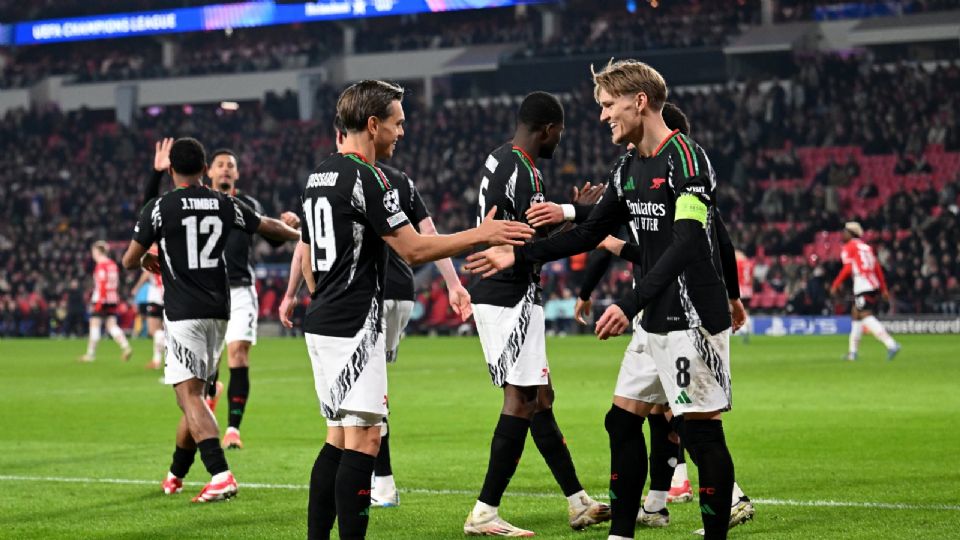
(646, 214)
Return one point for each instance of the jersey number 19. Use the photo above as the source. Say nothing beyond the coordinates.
(323, 248)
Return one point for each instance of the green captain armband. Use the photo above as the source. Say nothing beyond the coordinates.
(691, 207)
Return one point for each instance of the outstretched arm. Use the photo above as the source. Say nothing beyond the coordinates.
(294, 281)
(458, 295)
(418, 249)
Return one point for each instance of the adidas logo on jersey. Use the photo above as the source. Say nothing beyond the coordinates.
(631, 185)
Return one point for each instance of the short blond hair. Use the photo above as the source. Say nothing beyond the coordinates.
(630, 77)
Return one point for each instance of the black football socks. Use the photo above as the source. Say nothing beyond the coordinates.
(352, 493)
(553, 447)
(505, 451)
(237, 393)
(705, 442)
(322, 504)
(628, 469)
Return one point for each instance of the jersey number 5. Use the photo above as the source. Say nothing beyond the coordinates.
(323, 249)
(482, 199)
(209, 225)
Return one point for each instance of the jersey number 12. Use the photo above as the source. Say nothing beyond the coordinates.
(209, 225)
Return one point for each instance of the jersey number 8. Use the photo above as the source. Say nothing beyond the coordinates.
(323, 249)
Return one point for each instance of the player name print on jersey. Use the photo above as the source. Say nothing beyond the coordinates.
(200, 204)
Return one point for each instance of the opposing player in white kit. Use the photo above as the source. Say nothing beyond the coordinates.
(868, 285)
(241, 335)
(103, 303)
(191, 224)
(508, 312)
(351, 213)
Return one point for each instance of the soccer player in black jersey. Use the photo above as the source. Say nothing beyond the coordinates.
(664, 191)
(508, 311)
(637, 362)
(241, 332)
(398, 298)
(351, 214)
(191, 224)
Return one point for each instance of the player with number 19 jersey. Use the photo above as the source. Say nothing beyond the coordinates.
(348, 205)
(191, 225)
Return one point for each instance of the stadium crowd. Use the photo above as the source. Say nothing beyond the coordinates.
(582, 28)
(69, 179)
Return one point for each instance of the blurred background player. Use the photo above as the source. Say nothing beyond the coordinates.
(224, 172)
(191, 225)
(869, 285)
(153, 312)
(509, 315)
(103, 303)
(745, 267)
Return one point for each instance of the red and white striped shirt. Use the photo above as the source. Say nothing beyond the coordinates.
(859, 260)
(106, 280)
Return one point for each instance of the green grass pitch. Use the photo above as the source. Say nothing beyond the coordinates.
(828, 449)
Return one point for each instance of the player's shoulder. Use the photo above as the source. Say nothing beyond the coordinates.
(501, 162)
(397, 178)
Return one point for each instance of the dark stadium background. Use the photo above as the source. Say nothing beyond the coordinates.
(813, 112)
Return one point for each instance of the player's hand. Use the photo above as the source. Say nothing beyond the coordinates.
(286, 310)
(490, 261)
(582, 311)
(612, 244)
(738, 313)
(588, 194)
(613, 322)
(886, 296)
(460, 302)
(150, 263)
(833, 291)
(161, 157)
(545, 213)
(290, 219)
(496, 232)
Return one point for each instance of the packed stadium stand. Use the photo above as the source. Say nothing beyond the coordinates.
(840, 136)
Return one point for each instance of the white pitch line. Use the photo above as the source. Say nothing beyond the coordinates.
(425, 491)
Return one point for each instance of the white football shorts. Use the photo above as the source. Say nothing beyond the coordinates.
(396, 315)
(513, 342)
(244, 313)
(350, 377)
(694, 369)
(193, 347)
(638, 378)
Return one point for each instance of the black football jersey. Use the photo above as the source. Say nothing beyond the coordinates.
(239, 249)
(399, 274)
(511, 182)
(348, 205)
(191, 225)
(668, 202)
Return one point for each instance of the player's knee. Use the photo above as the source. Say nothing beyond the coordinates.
(697, 432)
(238, 354)
(621, 424)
